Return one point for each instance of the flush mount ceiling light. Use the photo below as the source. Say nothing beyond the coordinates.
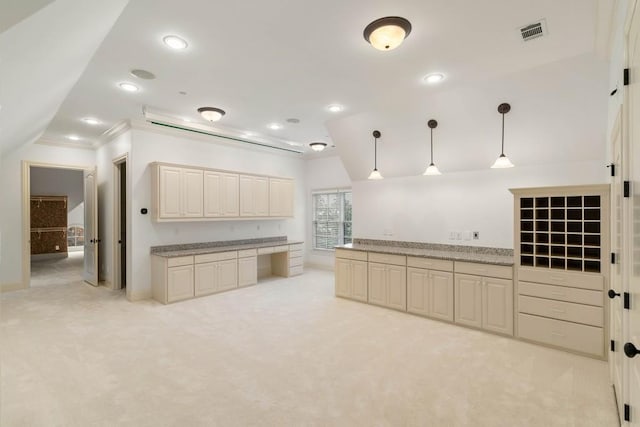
(387, 33)
(433, 78)
(175, 42)
(374, 173)
(211, 114)
(91, 121)
(318, 146)
(274, 126)
(335, 108)
(432, 169)
(503, 161)
(129, 87)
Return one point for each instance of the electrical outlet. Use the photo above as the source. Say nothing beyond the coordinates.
(458, 235)
(452, 235)
(57, 248)
(476, 235)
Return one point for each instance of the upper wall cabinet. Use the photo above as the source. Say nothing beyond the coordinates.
(280, 197)
(221, 194)
(182, 193)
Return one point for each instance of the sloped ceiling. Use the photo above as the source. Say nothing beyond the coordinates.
(42, 56)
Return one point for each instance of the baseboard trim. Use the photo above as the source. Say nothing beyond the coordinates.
(10, 287)
(133, 297)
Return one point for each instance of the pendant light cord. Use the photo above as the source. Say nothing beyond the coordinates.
(502, 152)
(431, 145)
(375, 153)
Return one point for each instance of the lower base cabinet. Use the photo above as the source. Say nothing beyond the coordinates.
(179, 283)
(216, 273)
(247, 271)
(351, 278)
(430, 293)
(388, 285)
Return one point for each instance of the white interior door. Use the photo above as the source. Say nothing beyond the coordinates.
(631, 231)
(91, 239)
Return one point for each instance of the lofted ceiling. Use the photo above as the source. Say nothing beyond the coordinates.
(272, 60)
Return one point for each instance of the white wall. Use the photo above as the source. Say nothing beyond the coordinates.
(321, 173)
(11, 200)
(426, 208)
(61, 182)
(206, 151)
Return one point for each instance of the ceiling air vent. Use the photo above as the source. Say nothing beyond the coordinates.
(533, 31)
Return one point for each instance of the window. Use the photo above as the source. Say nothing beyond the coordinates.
(331, 218)
(75, 236)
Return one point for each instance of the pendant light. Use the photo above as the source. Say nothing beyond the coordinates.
(432, 169)
(503, 161)
(374, 173)
(387, 33)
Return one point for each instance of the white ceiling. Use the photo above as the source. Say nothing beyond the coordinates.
(271, 60)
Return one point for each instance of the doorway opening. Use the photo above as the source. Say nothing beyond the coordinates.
(120, 223)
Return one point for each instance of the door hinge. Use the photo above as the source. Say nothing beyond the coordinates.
(627, 300)
(626, 189)
(613, 258)
(613, 345)
(613, 169)
(625, 76)
(627, 412)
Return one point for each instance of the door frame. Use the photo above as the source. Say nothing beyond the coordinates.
(26, 210)
(117, 224)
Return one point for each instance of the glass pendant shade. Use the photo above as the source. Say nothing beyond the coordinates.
(432, 170)
(211, 114)
(502, 162)
(375, 175)
(387, 33)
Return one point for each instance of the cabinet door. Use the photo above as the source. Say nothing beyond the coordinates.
(192, 183)
(205, 278)
(212, 194)
(417, 291)
(247, 271)
(179, 283)
(441, 295)
(397, 287)
(343, 277)
(497, 305)
(229, 203)
(247, 196)
(286, 197)
(261, 196)
(377, 290)
(170, 194)
(359, 280)
(227, 274)
(275, 197)
(468, 300)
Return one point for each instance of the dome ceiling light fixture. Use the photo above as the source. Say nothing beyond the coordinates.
(211, 114)
(374, 173)
(432, 169)
(387, 33)
(318, 146)
(503, 162)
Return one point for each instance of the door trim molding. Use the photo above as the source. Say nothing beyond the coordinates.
(115, 265)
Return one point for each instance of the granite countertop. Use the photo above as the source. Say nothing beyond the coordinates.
(221, 248)
(452, 255)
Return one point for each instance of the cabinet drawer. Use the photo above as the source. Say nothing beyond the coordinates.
(294, 254)
(578, 313)
(178, 261)
(562, 278)
(295, 271)
(488, 270)
(264, 251)
(295, 261)
(387, 258)
(296, 247)
(246, 253)
(349, 254)
(219, 256)
(582, 338)
(278, 249)
(561, 293)
(430, 263)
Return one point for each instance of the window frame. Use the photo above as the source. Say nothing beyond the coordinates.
(341, 193)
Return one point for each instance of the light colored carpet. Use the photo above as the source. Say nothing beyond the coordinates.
(60, 271)
(282, 353)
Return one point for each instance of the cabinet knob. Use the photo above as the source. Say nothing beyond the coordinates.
(612, 294)
(630, 350)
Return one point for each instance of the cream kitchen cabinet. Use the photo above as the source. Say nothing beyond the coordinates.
(216, 272)
(430, 291)
(387, 281)
(254, 196)
(172, 278)
(221, 194)
(280, 197)
(351, 275)
(180, 192)
(484, 296)
(247, 267)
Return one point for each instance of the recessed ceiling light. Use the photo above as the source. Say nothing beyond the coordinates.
(129, 87)
(433, 78)
(143, 74)
(91, 121)
(74, 137)
(275, 126)
(175, 42)
(211, 113)
(248, 134)
(335, 108)
(293, 120)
